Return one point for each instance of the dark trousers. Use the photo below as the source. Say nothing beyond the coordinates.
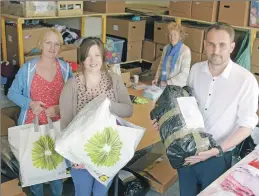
(193, 179)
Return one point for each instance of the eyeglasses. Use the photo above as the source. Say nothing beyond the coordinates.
(171, 34)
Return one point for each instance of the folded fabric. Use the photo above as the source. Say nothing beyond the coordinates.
(243, 181)
(152, 92)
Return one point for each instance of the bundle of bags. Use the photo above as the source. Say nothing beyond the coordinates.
(181, 125)
(101, 141)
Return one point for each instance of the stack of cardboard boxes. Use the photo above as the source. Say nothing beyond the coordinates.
(132, 31)
(153, 50)
(194, 40)
(42, 8)
(234, 13)
(105, 6)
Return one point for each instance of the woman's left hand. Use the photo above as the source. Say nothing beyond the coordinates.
(52, 111)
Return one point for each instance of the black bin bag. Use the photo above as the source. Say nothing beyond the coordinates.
(180, 142)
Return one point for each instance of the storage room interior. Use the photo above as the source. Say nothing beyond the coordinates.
(134, 34)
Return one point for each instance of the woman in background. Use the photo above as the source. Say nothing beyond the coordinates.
(175, 60)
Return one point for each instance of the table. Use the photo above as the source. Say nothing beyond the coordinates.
(141, 117)
(216, 184)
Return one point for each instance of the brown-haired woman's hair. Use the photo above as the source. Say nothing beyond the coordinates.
(85, 46)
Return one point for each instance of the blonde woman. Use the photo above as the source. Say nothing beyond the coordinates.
(80, 90)
(175, 61)
(37, 88)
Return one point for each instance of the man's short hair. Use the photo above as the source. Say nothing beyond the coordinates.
(222, 26)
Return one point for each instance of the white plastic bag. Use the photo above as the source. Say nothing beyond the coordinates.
(34, 148)
(95, 140)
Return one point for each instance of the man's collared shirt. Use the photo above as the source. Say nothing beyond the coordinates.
(227, 101)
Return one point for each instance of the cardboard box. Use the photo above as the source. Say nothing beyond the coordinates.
(159, 50)
(196, 57)
(149, 50)
(194, 38)
(254, 14)
(207, 11)
(105, 6)
(160, 31)
(9, 116)
(155, 167)
(255, 71)
(234, 13)
(155, 64)
(134, 50)
(131, 30)
(125, 75)
(31, 37)
(69, 8)
(11, 188)
(30, 8)
(126, 78)
(180, 9)
(67, 53)
(132, 71)
(204, 57)
(255, 53)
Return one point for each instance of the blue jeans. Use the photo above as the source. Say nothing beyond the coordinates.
(56, 188)
(85, 184)
(193, 179)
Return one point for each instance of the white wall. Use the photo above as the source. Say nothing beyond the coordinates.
(151, 2)
(93, 25)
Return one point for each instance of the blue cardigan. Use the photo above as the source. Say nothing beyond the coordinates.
(19, 92)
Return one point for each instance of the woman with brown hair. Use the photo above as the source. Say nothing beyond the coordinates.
(94, 80)
(175, 61)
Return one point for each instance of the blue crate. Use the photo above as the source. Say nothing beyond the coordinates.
(114, 47)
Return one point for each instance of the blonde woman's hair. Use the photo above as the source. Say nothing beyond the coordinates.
(53, 30)
(173, 26)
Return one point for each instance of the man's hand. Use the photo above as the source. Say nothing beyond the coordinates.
(52, 111)
(202, 156)
(155, 125)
